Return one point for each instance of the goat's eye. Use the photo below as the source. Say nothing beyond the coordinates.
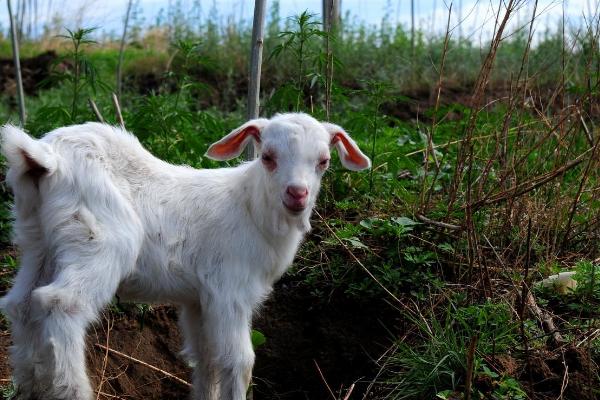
(324, 163)
(268, 161)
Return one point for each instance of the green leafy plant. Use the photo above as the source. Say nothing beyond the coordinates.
(587, 275)
(83, 73)
(9, 265)
(438, 364)
(189, 57)
(77, 77)
(258, 339)
(8, 391)
(300, 43)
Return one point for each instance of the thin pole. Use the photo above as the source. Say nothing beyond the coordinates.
(258, 28)
(331, 14)
(122, 52)
(412, 29)
(17, 62)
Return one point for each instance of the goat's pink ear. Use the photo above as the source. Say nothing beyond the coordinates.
(234, 143)
(350, 155)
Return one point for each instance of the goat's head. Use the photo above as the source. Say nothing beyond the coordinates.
(294, 153)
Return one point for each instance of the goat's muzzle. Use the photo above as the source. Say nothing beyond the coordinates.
(296, 199)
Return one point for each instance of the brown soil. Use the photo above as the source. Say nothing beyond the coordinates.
(569, 371)
(34, 71)
(341, 337)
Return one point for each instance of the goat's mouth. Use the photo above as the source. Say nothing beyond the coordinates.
(294, 208)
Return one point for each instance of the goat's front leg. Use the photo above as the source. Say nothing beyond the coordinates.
(227, 332)
(199, 353)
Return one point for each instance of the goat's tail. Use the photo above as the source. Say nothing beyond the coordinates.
(25, 155)
(29, 161)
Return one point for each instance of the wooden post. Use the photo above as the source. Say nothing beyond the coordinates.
(122, 52)
(258, 28)
(17, 62)
(331, 20)
(331, 14)
(460, 21)
(412, 30)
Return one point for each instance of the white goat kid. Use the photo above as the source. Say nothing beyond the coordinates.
(96, 214)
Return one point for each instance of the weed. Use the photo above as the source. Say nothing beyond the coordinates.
(8, 391)
(438, 364)
(8, 266)
(83, 73)
(306, 51)
(258, 339)
(587, 275)
(79, 76)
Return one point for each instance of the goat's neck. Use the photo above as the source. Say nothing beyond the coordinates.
(265, 210)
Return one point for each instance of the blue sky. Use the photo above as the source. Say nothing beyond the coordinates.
(477, 16)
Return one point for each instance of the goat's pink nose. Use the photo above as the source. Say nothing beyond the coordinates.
(297, 192)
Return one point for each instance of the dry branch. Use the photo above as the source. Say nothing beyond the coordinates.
(324, 380)
(110, 396)
(532, 184)
(429, 150)
(545, 318)
(439, 224)
(470, 366)
(465, 151)
(349, 392)
(95, 110)
(118, 110)
(152, 367)
(110, 323)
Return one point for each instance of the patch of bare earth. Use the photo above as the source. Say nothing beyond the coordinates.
(341, 338)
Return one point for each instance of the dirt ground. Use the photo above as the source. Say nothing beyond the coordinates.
(304, 334)
(34, 70)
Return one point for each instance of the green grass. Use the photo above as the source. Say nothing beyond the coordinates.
(438, 364)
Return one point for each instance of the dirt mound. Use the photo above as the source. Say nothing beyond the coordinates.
(34, 71)
(153, 339)
(569, 371)
(341, 336)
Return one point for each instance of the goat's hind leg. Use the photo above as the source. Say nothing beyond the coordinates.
(25, 333)
(199, 353)
(87, 279)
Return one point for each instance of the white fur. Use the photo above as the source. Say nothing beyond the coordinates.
(103, 216)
